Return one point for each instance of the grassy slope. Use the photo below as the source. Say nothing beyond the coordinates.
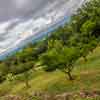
(87, 77)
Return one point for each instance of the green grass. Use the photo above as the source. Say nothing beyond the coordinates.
(86, 74)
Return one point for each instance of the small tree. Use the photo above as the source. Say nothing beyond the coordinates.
(84, 51)
(26, 77)
(10, 77)
(93, 44)
(26, 72)
(3, 71)
(62, 59)
(87, 48)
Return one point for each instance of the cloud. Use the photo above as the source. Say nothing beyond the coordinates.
(3, 26)
(21, 3)
(11, 9)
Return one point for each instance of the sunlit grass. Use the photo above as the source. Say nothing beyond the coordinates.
(86, 74)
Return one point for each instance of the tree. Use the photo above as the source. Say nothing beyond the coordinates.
(26, 78)
(22, 67)
(3, 71)
(62, 59)
(84, 51)
(88, 27)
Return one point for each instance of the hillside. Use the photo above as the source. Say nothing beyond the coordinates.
(63, 66)
(87, 78)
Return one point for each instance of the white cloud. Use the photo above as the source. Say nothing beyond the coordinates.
(3, 26)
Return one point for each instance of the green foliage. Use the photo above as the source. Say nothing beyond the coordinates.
(88, 26)
(63, 47)
(3, 71)
(10, 77)
(60, 51)
(22, 67)
(60, 57)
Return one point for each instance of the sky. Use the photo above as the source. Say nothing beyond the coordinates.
(14, 10)
(17, 13)
(10, 9)
(18, 17)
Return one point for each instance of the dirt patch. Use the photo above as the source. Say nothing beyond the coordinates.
(68, 96)
(12, 97)
(64, 96)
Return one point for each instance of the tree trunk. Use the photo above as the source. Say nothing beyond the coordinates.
(85, 58)
(70, 76)
(27, 84)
